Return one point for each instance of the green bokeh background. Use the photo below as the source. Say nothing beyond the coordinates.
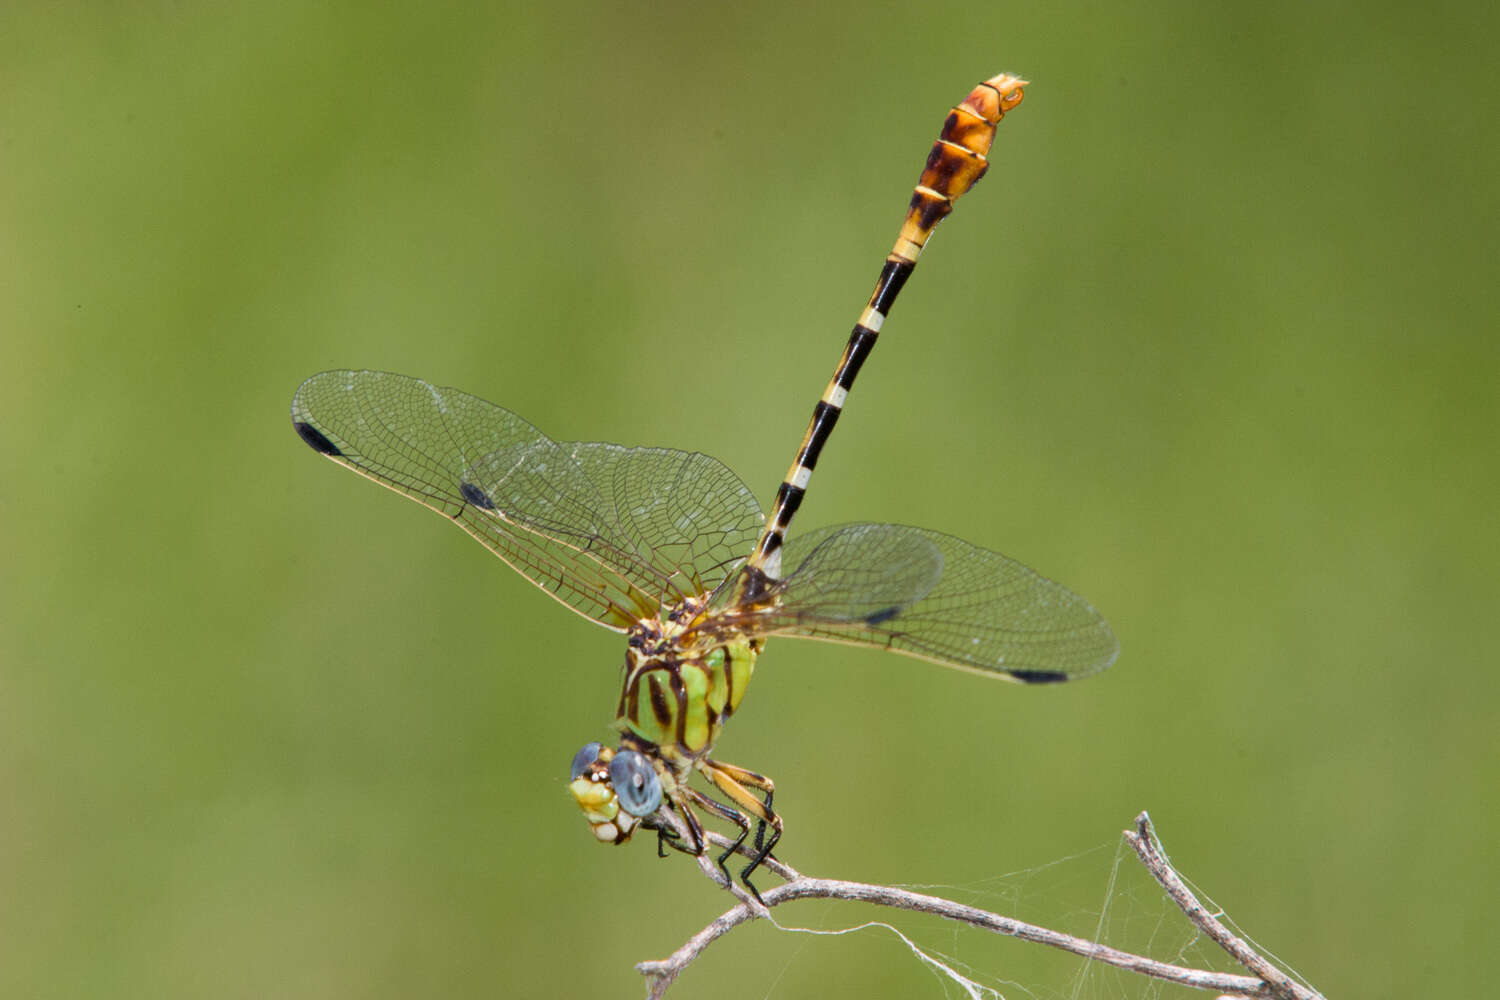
(1214, 343)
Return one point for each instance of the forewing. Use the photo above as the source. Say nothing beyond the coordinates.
(684, 514)
(574, 519)
(873, 584)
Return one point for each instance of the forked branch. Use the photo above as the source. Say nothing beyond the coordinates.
(1265, 981)
(1148, 848)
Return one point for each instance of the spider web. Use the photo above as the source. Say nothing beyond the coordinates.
(1102, 895)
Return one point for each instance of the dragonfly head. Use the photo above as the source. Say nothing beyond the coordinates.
(616, 789)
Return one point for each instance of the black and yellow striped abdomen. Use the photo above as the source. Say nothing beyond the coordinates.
(955, 163)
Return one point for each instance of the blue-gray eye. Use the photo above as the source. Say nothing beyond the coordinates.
(635, 783)
(584, 759)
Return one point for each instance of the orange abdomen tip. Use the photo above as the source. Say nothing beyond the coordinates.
(997, 95)
(957, 160)
(972, 123)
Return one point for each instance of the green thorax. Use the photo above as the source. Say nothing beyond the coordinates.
(683, 679)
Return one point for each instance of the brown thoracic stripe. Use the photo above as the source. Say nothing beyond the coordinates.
(659, 706)
(680, 695)
(955, 163)
(665, 689)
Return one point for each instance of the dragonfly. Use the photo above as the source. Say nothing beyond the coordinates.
(672, 549)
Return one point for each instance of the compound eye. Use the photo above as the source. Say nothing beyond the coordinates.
(635, 783)
(584, 759)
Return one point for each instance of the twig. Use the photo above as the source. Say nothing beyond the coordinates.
(1268, 982)
(1280, 985)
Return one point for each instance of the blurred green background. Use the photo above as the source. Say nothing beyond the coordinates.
(1214, 344)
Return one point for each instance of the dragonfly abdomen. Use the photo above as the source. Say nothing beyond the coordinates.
(954, 164)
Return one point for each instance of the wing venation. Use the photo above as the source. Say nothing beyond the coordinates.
(938, 598)
(614, 533)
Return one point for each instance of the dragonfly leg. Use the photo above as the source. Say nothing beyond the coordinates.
(736, 783)
(733, 816)
(672, 838)
(767, 815)
(668, 837)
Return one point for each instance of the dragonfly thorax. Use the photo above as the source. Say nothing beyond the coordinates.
(683, 678)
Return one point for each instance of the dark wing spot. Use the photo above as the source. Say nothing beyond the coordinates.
(476, 496)
(883, 615)
(315, 439)
(1038, 676)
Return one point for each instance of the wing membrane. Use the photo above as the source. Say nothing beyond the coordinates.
(612, 532)
(938, 598)
(686, 515)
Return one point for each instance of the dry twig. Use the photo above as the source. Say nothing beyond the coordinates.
(1266, 980)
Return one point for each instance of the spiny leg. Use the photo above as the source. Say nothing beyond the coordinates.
(666, 837)
(732, 781)
(672, 838)
(742, 776)
(738, 819)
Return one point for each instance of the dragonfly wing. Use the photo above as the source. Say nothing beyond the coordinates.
(553, 512)
(686, 515)
(857, 573)
(938, 598)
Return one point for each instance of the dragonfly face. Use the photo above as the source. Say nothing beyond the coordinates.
(614, 814)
